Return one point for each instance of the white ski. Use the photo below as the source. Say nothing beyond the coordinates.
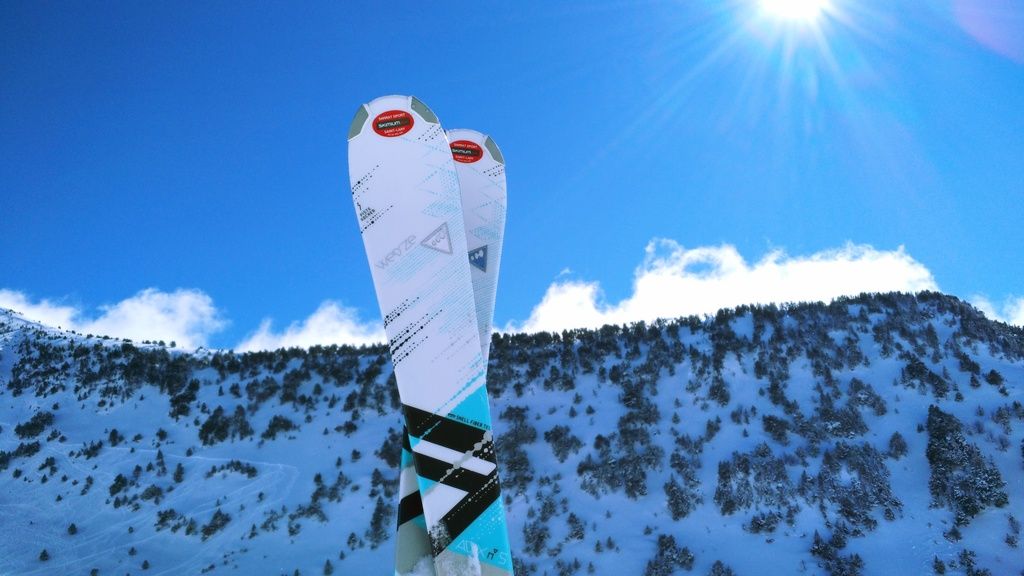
(481, 170)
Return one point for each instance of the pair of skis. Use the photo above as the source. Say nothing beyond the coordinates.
(431, 210)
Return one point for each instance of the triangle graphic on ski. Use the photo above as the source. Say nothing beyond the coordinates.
(478, 258)
(439, 240)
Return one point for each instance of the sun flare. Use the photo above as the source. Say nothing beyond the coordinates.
(794, 10)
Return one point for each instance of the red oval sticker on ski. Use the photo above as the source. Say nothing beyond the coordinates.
(466, 151)
(393, 123)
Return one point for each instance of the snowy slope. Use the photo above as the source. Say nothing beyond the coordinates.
(760, 441)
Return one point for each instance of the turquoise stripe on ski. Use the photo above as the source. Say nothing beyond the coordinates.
(474, 410)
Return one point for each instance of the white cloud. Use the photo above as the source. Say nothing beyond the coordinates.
(1011, 311)
(673, 281)
(45, 312)
(332, 323)
(187, 317)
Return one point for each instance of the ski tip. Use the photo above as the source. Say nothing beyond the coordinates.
(397, 106)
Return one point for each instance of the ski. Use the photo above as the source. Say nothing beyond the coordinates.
(481, 170)
(408, 203)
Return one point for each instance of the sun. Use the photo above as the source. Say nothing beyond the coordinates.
(794, 10)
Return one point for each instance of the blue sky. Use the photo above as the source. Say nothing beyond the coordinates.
(179, 170)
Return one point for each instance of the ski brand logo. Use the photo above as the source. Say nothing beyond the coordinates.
(498, 556)
(393, 123)
(493, 554)
(466, 151)
(478, 258)
(401, 250)
(439, 240)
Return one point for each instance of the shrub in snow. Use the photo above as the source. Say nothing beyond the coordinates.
(216, 523)
(755, 479)
(278, 424)
(719, 569)
(897, 446)
(35, 425)
(829, 558)
(535, 536)
(563, 442)
(967, 559)
(777, 428)
(961, 479)
(668, 558)
(516, 471)
(380, 523)
(119, 483)
(862, 394)
(855, 481)
(390, 450)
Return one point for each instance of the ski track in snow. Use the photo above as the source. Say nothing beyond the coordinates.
(280, 481)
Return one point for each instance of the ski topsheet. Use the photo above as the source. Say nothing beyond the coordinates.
(481, 170)
(408, 203)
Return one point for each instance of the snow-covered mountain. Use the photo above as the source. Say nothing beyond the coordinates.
(882, 434)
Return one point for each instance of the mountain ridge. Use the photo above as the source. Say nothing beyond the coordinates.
(817, 435)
